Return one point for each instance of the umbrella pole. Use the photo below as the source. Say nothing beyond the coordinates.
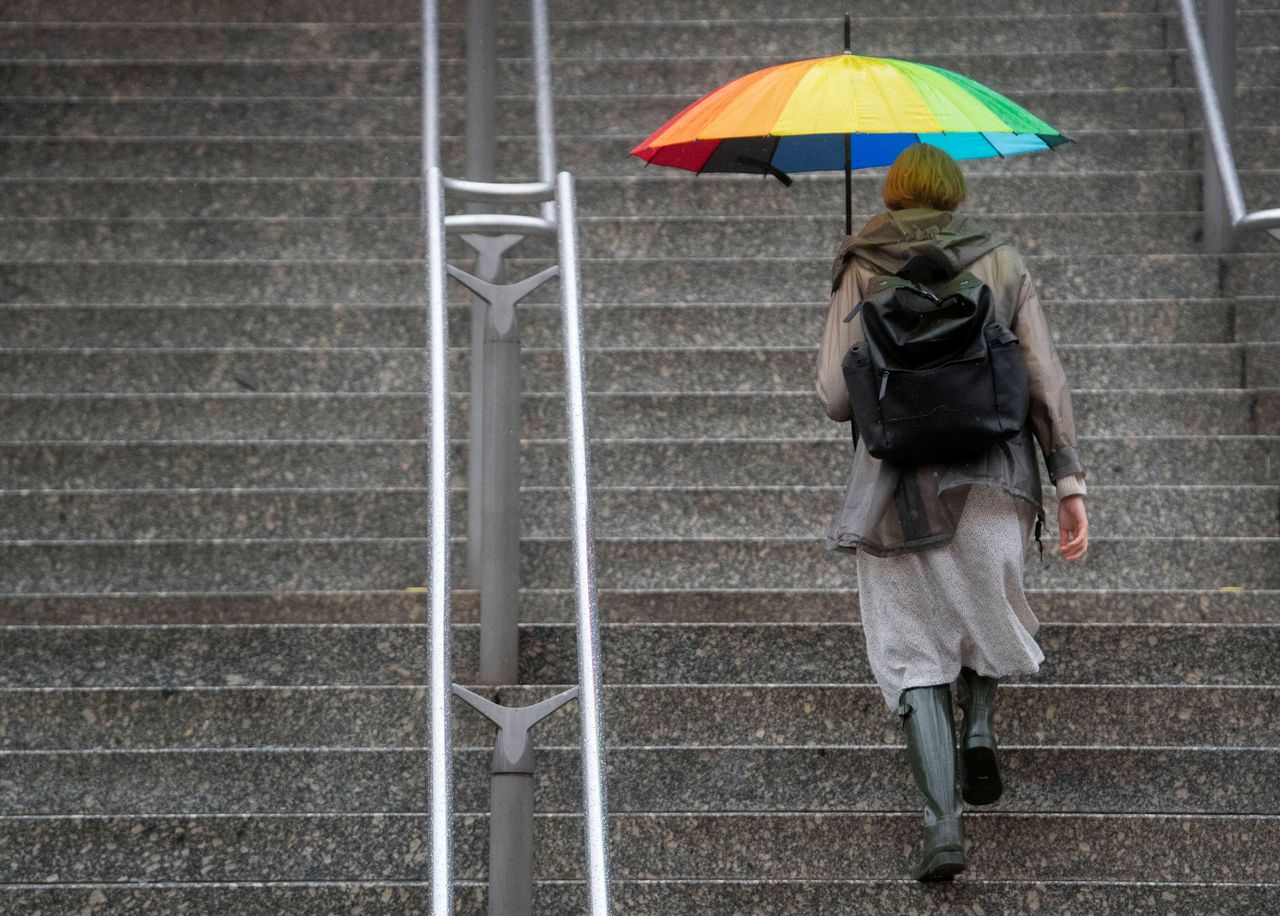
(848, 189)
(848, 169)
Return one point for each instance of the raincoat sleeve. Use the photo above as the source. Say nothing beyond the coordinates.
(837, 337)
(1051, 416)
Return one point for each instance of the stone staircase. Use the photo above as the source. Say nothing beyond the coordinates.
(212, 544)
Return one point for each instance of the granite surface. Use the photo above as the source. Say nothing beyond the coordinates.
(1120, 461)
(1097, 70)
(654, 38)
(341, 564)
(609, 115)
(1029, 715)
(752, 767)
(1083, 322)
(705, 512)
(1098, 150)
(661, 605)
(214, 185)
(742, 653)
(719, 780)
(614, 280)
(685, 415)
(802, 846)
(454, 11)
(649, 898)
(730, 366)
(399, 237)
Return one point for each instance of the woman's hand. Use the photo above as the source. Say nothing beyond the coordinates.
(1073, 528)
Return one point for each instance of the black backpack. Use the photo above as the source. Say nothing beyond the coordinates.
(937, 376)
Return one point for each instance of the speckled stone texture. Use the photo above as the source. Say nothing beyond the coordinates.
(324, 117)
(752, 562)
(725, 653)
(212, 551)
(826, 846)
(660, 605)
(1128, 461)
(1101, 149)
(765, 716)
(583, 38)
(779, 511)
(828, 779)
(730, 367)
(761, 898)
(718, 415)
(1090, 322)
(1093, 70)
(777, 279)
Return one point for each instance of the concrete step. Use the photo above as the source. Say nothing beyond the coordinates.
(1253, 321)
(663, 604)
(723, 898)
(1009, 72)
(632, 117)
(654, 37)
(802, 845)
(1174, 320)
(151, 239)
(175, 656)
(333, 564)
(1147, 68)
(644, 39)
(586, 155)
(830, 779)
(711, 415)
(454, 11)
(1062, 192)
(730, 368)
(778, 511)
(800, 462)
(713, 716)
(624, 280)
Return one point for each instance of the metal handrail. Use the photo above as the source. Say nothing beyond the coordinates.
(439, 584)
(558, 214)
(589, 676)
(1238, 218)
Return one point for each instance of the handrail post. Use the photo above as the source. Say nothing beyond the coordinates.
(493, 455)
(1220, 49)
(481, 117)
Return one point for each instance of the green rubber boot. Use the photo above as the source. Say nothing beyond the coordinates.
(931, 750)
(979, 765)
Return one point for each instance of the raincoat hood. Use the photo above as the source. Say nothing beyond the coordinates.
(892, 238)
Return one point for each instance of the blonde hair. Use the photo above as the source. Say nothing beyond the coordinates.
(924, 176)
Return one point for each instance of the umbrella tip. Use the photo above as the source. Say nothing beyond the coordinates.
(848, 44)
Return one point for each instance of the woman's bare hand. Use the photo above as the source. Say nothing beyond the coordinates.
(1073, 528)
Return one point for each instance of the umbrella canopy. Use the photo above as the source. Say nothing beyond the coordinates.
(795, 117)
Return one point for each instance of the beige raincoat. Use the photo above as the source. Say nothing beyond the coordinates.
(888, 507)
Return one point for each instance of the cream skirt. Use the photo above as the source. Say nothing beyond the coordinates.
(928, 612)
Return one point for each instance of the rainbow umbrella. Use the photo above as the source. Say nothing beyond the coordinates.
(843, 112)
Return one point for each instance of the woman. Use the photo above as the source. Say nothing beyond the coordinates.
(940, 547)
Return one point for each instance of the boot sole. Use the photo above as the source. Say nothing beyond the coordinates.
(943, 867)
(982, 783)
